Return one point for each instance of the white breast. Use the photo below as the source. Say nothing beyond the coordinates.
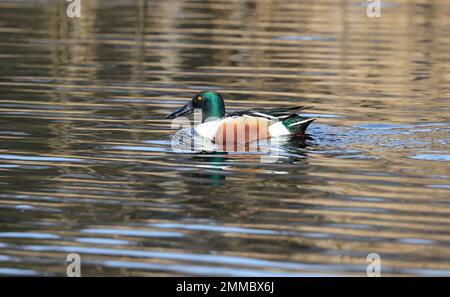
(209, 129)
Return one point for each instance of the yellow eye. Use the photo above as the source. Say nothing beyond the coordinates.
(199, 98)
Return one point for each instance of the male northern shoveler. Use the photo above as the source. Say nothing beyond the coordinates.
(242, 126)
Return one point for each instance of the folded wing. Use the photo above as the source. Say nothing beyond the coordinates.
(269, 113)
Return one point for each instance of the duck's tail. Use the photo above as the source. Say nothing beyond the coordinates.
(296, 124)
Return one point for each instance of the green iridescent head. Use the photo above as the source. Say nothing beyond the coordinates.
(210, 102)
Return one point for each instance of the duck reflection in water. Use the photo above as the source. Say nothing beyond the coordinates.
(213, 164)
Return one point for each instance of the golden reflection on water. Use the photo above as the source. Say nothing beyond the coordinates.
(86, 164)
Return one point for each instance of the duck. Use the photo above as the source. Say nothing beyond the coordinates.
(242, 126)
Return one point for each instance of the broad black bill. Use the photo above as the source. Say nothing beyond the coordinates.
(185, 110)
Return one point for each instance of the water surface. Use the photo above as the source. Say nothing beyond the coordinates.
(86, 163)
